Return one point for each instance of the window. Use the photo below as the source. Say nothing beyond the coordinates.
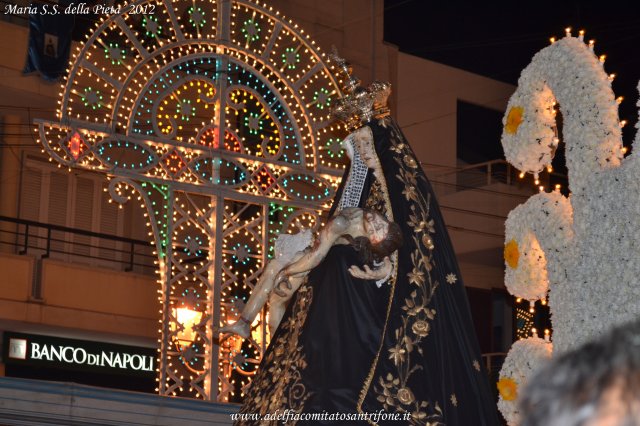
(54, 196)
(479, 130)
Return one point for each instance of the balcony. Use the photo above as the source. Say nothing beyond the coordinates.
(89, 282)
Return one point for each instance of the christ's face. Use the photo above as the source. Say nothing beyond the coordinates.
(375, 226)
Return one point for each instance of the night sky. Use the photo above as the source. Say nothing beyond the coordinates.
(498, 38)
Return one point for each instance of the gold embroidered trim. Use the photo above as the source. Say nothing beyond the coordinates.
(394, 391)
(285, 361)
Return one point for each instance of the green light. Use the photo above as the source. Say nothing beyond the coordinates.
(251, 30)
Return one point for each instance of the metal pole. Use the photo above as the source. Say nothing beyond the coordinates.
(26, 240)
(131, 253)
(165, 271)
(217, 204)
(46, 255)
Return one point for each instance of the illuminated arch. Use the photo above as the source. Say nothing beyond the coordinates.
(215, 115)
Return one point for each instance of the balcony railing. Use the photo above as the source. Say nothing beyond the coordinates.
(482, 175)
(76, 245)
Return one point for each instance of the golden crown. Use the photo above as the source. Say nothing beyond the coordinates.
(359, 104)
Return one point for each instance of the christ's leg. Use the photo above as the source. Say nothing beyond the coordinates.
(258, 298)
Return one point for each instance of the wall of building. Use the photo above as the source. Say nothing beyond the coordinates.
(21, 99)
(427, 94)
(83, 298)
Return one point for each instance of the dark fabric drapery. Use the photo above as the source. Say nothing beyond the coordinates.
(323, 349)
(429, 363)
(408, 347)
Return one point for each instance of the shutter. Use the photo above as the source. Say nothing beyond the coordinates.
(58, 191)
(58, 210)
(30, 202)
(83, 217)
(30, 194)
(109, 225)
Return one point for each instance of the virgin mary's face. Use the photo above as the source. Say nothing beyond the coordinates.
(364, 145)
(375, 226)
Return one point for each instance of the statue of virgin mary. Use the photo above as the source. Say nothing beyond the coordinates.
(395, 348)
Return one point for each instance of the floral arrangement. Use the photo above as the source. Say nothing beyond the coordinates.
(549, 220)
(587, 104)
(524, 358)
(582, 249)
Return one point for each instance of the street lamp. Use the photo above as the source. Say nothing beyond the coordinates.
(183, 326)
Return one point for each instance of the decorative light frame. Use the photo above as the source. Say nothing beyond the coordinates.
(169, 116)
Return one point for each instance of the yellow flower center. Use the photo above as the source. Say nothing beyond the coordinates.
(514, 119)
(508, 389)
(511, 254)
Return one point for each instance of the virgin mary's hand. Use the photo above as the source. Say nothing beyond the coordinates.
(281, 278)
(378, 273)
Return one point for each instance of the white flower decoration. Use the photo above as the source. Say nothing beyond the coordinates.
(583, 248)
(525, 357)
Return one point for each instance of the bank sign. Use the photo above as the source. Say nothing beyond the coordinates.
(81, 355)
